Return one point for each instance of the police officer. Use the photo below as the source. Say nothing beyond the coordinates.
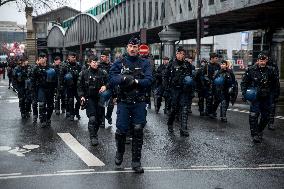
(59, 92)
(68, 78)
(180, 78)
(21, 76)
(258, 84)
(105, 64)
(44, 79)
(224, 84)
(91, 83)
(159, 87)
(133, 76)
(204, 78)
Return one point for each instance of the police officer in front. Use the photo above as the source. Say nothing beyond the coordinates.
(91, 83)
(43, 79)
(258, 84)
(179, 77)
(133, 76)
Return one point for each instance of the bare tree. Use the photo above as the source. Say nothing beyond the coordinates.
(40, 6)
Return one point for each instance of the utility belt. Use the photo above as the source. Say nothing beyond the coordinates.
(131, 99)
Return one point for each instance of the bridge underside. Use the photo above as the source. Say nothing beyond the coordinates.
(269, 15)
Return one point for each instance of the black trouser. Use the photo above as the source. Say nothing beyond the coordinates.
(60, 99)
(24, 100)
(46, 103)
(94, 113)
(110, 108)
(71, 94)
(260, 107)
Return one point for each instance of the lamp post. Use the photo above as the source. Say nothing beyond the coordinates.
(198, 33)
(80, 36)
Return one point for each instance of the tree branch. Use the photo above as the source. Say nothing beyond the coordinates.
(5, 1)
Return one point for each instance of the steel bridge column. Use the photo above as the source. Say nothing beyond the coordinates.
(169, 36)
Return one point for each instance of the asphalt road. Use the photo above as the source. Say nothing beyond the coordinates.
(216, 155)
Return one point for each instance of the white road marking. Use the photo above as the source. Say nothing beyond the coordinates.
(210, 166)
(9, 174)
(270, 165)
(13, 100)
(5, 148)
(146, 170)
(31, 147)
(19, 151)
(74, 171)
(80, 150)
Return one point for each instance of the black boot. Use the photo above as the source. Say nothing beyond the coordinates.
(94, 140)
(120, 145)
(184, 119)
(93, 130)
(137, 143)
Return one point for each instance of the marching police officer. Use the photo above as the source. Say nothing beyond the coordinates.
(180, 78)
(68, 78)
(43, 79)
(204, 79)
(91, 83)
(159, 87)
(258, 84)
(133, 76)
(59, 92)
(224, 87)
(105, 64)
(21, 76)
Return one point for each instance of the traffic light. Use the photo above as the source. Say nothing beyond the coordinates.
(204, 27)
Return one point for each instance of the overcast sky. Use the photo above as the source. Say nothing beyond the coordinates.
(9, 12)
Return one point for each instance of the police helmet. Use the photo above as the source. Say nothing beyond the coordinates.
(219, 81)
(68, 77)
(250, 94)
(104, 98)
(50, 75)
(188, 81)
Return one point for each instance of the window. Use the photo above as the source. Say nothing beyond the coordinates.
(156, 10)
(189, 5)
(144, 12)
(150, 12)
(163, 14)
(211, 2)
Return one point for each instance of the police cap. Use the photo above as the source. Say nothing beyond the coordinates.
(134, 41)
(262, 56)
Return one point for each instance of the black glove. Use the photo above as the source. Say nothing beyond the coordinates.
(127, 80)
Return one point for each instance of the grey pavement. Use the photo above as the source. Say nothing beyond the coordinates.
(216, 155)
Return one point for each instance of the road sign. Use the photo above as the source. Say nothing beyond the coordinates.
(144, 49)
